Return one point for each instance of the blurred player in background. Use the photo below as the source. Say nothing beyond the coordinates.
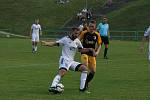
(146, 37)
(35, 32)
(90, 39)
(103, 29)
(70, 44)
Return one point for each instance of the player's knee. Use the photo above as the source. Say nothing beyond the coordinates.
(85, 63)
(83, 68)
(62, 72)
(93, 71)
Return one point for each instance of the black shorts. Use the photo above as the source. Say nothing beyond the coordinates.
(105, 39)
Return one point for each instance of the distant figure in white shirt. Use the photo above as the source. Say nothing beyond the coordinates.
(70, 44)
(35, 32)
(146, 37)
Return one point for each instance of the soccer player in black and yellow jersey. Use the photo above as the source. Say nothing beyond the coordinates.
(90, 39)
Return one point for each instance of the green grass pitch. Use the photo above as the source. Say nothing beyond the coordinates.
(26, 76)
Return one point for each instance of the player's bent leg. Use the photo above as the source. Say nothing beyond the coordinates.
(57, 79)
(92, 70)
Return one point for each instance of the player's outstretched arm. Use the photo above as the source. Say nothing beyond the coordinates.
(50, 44)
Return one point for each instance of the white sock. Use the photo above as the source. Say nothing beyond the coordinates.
(56, 80)
(149, 53)
(35, 48)
(83, 79)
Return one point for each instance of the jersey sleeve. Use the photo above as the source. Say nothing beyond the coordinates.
(79, 44)
(147, 32)
(99, 40)
(61, 41)
(40, 27)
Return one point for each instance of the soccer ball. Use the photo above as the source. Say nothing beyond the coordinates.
(60, 87)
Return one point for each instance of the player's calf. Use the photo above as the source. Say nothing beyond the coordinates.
(83, 77)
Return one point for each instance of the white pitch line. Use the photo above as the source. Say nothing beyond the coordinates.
(6, 33)
(26, 65)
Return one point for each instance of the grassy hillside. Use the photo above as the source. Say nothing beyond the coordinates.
(134, 16)
(18, 15)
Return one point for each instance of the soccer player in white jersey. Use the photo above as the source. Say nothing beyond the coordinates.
(35, 32)
(70, 44)
(146, 36)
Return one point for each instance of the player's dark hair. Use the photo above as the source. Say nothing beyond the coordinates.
(75, 28)
(93, 21)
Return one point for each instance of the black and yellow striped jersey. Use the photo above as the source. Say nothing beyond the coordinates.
(89, 40)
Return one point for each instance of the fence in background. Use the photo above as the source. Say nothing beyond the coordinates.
(114, 35)
(126, 35)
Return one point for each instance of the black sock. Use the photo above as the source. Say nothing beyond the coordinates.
(90, 77)
(105, 52)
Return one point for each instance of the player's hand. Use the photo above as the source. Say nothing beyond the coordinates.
(92, 52)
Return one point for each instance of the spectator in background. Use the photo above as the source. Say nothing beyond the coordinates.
(109, 2)
(79, 15)
(89, 15)
(84, 10)
(103, 29)
(83, 27)
(85, 16)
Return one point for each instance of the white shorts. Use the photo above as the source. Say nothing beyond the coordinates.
(35, 37)
(67, 64)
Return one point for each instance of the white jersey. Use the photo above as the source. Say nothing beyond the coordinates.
(36, 28)
(147, 33)
(69, 47)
